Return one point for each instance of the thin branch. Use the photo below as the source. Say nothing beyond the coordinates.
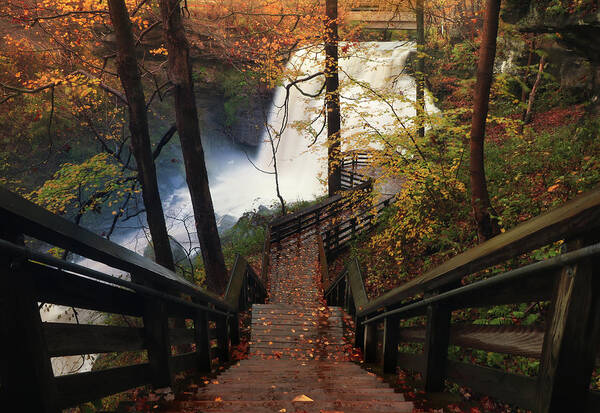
(163, 141)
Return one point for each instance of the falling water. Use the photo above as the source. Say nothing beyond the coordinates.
(302, 162)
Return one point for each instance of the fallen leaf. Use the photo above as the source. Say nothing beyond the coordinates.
(302, 398)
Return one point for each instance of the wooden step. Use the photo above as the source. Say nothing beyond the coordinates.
(316, 406)
(276, 394)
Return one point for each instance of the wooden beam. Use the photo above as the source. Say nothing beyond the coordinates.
(370, 343)
(510, 388)
(73, 339)
(574, 218)
(202, 338)
(156, 330)
(223, 339)
(357, 285)
(83, 387)
(572, 338)
(27, 377)
(523, 341)
(437, 338)
(63, 288)
(179, 336)
(414, 362)
(183, 362)
(390, 344)
(39, 223)
(236, 283)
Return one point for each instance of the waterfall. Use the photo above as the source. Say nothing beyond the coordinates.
(301, 163)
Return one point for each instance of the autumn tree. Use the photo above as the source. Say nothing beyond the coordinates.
(332, 98)
(129, 74)
(63, 33)
(186, 114)
(487, 223)
(420, 81)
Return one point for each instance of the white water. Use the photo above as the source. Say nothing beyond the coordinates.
(302, 169)
(302, 166)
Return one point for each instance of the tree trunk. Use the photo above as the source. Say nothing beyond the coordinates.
(129, 74)
(186, 114)
(529, 112)
(487, 226)
(332, 98)
(420, 78)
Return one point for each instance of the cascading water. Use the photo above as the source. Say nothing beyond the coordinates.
(373, 70)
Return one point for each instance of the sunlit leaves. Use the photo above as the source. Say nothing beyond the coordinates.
(87, 186)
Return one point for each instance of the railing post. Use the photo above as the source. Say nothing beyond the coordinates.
(202, 339)
(437, 336)
(26, 376)
(156, 329)
(370, 343)
(234, 329)
(347, 295)
(223, 338)
(359, 334)
(390, 344)
(572, 338)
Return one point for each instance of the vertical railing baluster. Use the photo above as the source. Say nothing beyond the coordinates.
(370, 343)
(202, 339)
(223, 338)
(572, 337)
(156, 330)
(390, 343)
(437, 338)
(27, 380)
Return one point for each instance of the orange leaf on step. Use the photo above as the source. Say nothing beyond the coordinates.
(302, 398)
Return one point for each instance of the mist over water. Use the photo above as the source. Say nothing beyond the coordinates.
(302, 161)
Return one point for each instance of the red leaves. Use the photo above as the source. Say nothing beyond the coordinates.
(240, 352)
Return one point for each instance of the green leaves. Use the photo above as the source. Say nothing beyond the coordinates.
(83, 187)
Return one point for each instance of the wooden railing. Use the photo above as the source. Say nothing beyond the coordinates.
(314, 216)
(567, 346)
(337, 237)
(150, 294)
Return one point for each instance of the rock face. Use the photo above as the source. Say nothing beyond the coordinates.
(245, 126)
(576, 51)
(578, 26)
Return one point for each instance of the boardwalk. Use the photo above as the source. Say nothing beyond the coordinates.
(298, 358)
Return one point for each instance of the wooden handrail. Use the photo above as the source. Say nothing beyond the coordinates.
(241, 273)
(154, 294)
(35, 221)
(313, 216)
(574, 218)
(337, 237)
(567, 349)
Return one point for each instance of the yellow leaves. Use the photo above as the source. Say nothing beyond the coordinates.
(553, 187)
(159, 51)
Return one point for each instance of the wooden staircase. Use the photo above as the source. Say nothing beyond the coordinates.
(277, 385)
(299, 359)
